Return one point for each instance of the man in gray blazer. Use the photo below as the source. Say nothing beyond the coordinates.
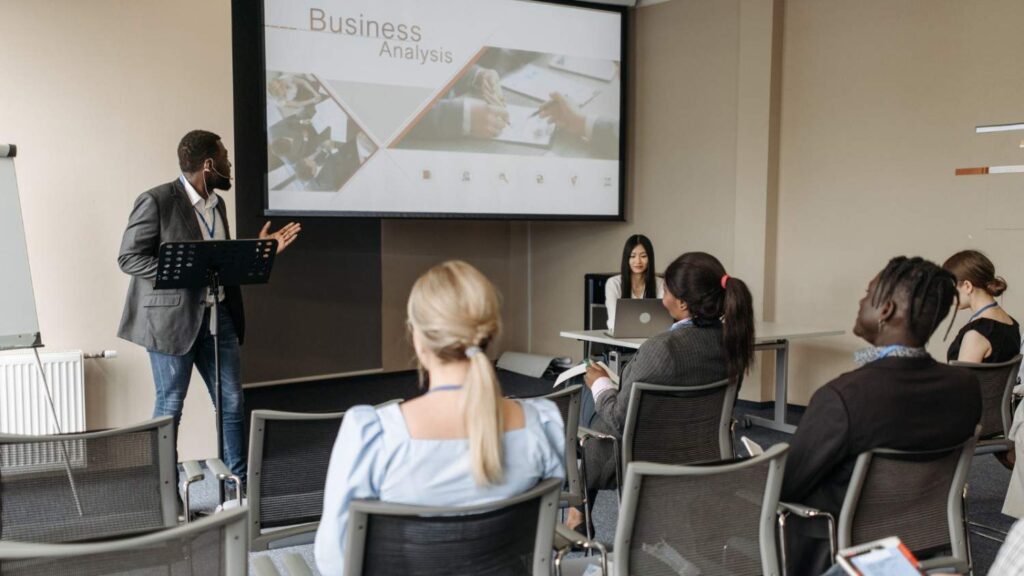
(173, 324)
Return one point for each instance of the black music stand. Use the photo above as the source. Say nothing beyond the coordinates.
(214, 264)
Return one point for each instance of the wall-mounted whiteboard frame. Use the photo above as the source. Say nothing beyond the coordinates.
(19, 322)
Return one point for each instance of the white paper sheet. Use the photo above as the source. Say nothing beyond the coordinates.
(581, 368)
(526, 129)
(538, 83)
(590, 67)
(329, 114)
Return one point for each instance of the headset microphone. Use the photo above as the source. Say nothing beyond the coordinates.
(219, 174)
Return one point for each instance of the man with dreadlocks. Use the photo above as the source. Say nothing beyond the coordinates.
(898, 398)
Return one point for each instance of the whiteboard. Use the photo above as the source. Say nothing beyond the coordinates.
(19, 324)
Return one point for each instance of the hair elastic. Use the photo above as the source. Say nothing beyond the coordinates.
(725, 278)
(472, 351)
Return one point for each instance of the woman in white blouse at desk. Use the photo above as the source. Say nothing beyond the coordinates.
(637, 277)
(460, 443)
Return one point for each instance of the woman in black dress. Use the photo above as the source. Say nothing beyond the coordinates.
(991, 335)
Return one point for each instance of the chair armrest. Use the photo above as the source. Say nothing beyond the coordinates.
(296, 565)
(801, 510)
(219, 468)
(264, 566)
(586, 433)
(786, 508)
(223, 473)
(566, 538)
(193, 471)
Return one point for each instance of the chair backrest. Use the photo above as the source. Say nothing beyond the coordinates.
(997, 382)
(716, 518)
(289, 453)
(916, 495)
(568, 401)
(679, 425)
(211, 546)
(511, 537)
(90, 485)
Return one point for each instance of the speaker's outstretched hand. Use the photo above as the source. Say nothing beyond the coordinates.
(285, 236)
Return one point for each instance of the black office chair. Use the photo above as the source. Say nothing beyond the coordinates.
(714, 518)
(289, 453)
(575, 493)
(511, 537)
(997, 381)
(89, 485)
(918, 495)
(212, 546)
(674, 425)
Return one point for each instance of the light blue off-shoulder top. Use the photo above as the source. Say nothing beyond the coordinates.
(375, 458)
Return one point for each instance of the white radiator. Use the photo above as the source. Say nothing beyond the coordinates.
(24, 408)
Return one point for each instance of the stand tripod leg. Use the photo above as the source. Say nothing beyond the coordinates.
(214, 330)
(63, 446)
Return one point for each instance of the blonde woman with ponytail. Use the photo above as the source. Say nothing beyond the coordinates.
(460, 443)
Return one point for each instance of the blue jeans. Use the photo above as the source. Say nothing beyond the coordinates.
(173, 373)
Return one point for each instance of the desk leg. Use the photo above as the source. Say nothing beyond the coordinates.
(778, 422)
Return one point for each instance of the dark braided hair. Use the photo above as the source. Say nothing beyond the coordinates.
(930, 292)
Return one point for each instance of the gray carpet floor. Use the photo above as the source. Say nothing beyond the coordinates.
(987, 487)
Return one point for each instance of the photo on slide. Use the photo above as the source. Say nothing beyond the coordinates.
(314, 144)
(517, 102)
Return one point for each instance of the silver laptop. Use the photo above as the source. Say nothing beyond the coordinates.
(640, 318)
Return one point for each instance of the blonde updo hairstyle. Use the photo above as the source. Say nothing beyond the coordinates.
(457, 312)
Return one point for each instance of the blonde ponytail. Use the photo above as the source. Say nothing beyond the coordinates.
(456, 312)
(483, 418)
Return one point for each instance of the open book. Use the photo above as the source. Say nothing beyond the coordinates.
(581, 368)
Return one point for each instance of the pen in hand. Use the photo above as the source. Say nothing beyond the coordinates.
(541, 108)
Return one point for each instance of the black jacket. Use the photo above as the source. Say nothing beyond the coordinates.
(898, 403)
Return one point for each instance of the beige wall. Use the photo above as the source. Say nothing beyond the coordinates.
(410, 247)
(682, 180)
(96, 95)
(879, 104)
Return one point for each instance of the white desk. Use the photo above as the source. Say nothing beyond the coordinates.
(769, 336)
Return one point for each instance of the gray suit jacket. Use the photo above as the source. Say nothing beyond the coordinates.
(166, 321)
(690, 356)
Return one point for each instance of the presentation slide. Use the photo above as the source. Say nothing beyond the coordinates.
(494, 108)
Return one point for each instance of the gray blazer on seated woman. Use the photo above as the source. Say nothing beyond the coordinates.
(712, 338)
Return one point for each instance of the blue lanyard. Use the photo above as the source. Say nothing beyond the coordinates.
(983, 308)
(210, 229)
(444, 388)
(888, 350)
